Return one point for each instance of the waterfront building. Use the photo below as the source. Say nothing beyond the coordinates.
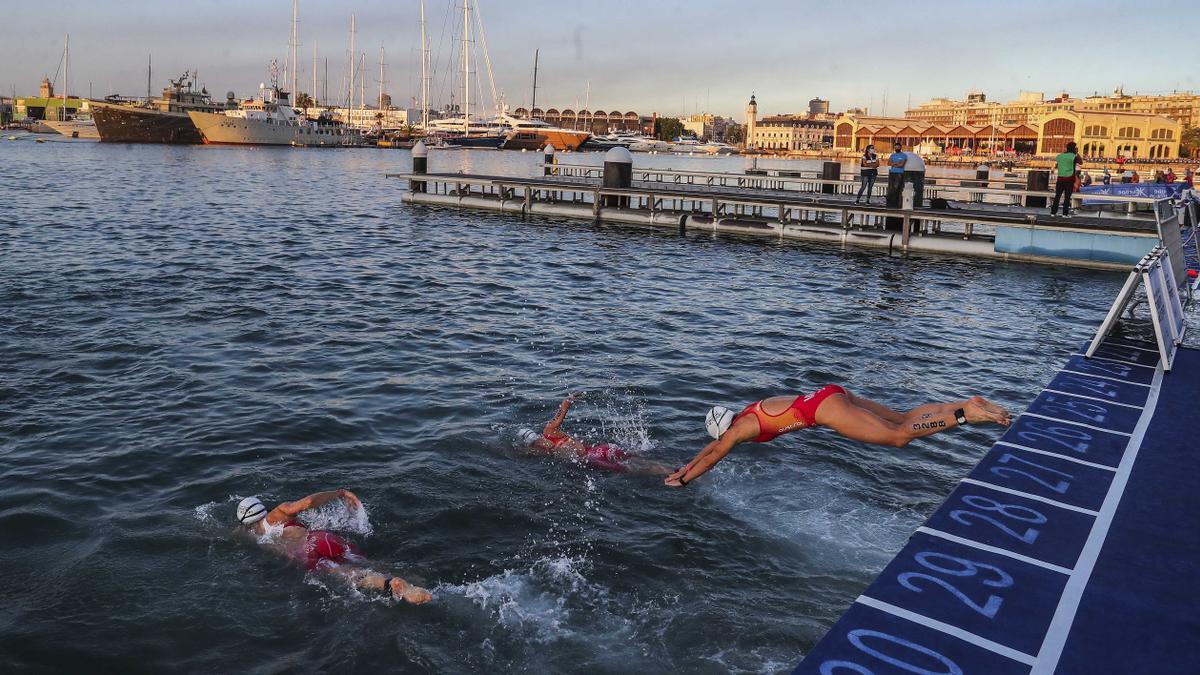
(6, 110)
(43, 108)
(818, 106)
(788, 132)
(597, 122)
(706, 126)
(388, 119)
(1097, 133)
(751, 121)
(1031, 107)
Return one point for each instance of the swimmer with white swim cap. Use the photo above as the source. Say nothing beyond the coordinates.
(856, 418)
(554, 441)
(322, 550)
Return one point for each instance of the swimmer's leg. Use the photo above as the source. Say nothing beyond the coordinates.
(860, 424)
(365, 579)
(876, 407)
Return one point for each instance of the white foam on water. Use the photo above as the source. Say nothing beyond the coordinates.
(815, 505)
(338, 517)
(536, 601)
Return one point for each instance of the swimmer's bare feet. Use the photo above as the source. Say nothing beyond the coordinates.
(402, 590)
(979, 409)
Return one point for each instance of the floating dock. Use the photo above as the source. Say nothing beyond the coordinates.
(1070, 548)
(778, 207)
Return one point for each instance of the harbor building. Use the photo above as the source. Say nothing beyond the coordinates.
(1030, 107)
(707, 127)
(593, 121)
(389, 119)
(788, 132)
(1098, 133)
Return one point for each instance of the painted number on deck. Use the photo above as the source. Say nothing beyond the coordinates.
(960, 567)
(1066, 437)
(1062, 407)
(1103, 368)
(1059, 481)
(1096, 387)
(885, 652)
(1011, 511)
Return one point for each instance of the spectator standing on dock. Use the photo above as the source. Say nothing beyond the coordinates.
(868, 171)
(896, 162)
(1189, 178)
(1134, 177)
(1107, 177)
(1171, 175)
(1068, 163)
(914, 172)
(1085, 179)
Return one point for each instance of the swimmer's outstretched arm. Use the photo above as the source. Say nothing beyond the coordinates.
(552, 425)
(313, 501)
(742, 430)
(375, 581)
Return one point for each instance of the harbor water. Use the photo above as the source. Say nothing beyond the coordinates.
(186, 326)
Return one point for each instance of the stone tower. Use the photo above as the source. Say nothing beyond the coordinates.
(46, 90)
(751, 120)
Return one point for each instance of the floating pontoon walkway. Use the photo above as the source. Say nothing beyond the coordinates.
(1071, 548)
(966, 229)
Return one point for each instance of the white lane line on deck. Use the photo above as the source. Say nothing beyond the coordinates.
(1091, 398)
(1078, 424)
(1105, 358)
(1068, 604)
(1047, 453)
(1118, 344)
(1102, 377)
(955, 631)
(993, 549)
(1026, 495)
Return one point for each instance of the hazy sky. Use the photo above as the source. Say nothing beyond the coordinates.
(649, 55)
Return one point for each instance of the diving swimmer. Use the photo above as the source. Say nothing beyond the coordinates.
(555, 442)
(831, 406)
(321, 550)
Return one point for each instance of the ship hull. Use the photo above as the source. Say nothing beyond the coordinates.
(536, 139)
(488, 141)
(121, 124)
(225, 130)
(74, 129)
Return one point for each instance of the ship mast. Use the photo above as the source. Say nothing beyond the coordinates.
(362, 81)
(533, 103)
(66, 76)
(314, 87)
(424, 74)
(381, 78)
(350, 81)
(466, 67)
(149, 70)
(293, 62)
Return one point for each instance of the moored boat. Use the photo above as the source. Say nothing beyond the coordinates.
(163, 120)
(271, 120)
(536, 134)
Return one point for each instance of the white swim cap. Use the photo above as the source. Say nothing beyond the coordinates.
(718, 420)
(528, 436)
(250, 511)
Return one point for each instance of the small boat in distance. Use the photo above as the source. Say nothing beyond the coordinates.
(81, 126)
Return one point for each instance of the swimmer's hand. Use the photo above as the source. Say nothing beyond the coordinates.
(415, 595)
(352, 500)
(676, 478)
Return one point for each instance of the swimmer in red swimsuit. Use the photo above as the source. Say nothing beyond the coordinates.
(605, 456)
(831, 406)
(321, 550)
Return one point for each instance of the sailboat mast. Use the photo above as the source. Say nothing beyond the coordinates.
(149, 70)
(314, 87)
(294, 63)
(466, 68)
(362, 81)
(381, 77)
(533, 103)
(424, 73)
(66, 76)
(352, 58)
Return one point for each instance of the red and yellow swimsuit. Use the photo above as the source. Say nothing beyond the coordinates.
(801, 414)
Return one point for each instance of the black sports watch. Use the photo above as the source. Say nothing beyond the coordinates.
(960, 417)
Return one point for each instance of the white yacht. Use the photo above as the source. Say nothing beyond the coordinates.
(271, 120)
